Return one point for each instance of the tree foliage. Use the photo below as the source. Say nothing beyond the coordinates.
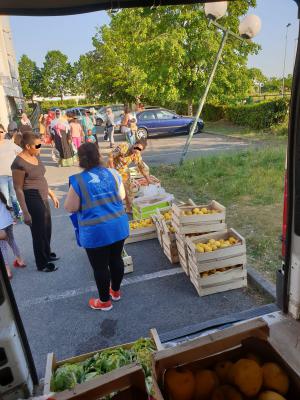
(30, 77)
(165, 54)
(58, 75)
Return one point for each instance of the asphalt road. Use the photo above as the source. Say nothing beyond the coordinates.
(54, 306)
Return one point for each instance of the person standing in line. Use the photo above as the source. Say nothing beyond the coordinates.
(110, 126)
(6, 225)
(88, 124)
(77, 134)
(125, 124)
(12, 129)
(95, 199)
(32, 191)
(25, 124)
(8, 152)
(61, 132)
(42, 126)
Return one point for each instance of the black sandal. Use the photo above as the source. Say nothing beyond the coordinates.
(50, 267)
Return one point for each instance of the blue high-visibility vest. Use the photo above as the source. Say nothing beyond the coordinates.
(101, 219)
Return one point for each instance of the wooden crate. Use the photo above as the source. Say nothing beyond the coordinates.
(229, 344)
(127, 383)
(203, 266)
(170, 249)
(158, 228)
(182, 250)
(52, 364)
(140, 234)
(128, 263)
(205, 223)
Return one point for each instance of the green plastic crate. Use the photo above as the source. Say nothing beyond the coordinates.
(147, 211)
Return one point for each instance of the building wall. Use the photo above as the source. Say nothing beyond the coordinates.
(11, 98)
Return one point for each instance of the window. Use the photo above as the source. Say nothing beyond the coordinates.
(147, 116)
(163, 114)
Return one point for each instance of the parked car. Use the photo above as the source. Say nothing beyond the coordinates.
(160, 121)
(117, 109)
(79, 112)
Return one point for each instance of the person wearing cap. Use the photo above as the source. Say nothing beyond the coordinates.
(88, 123)
(76, 130)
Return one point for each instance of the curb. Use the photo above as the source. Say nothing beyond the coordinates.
(247, 140)
(261, 283)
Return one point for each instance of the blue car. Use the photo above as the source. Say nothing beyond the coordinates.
(161, 121)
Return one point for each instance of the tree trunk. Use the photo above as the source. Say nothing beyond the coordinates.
(190, 108)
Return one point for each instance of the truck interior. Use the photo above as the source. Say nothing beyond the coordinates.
(18, 379)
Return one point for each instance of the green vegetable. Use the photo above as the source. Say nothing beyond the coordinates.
(66, 376)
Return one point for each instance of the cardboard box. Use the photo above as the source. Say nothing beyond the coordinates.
(128, 383)
(228, 344)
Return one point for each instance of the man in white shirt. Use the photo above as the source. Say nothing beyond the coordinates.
(8, 152)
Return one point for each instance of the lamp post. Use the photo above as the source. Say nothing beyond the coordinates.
(284, 58)
(248, 28)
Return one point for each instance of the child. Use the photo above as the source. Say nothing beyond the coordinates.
(7, 236)
(90, 138)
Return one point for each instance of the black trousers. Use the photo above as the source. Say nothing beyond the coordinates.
(41, 227)
(108, 267)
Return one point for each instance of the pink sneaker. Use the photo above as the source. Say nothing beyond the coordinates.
(97, 304)
(115, 295)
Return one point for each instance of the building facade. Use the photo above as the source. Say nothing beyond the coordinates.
(11, 97)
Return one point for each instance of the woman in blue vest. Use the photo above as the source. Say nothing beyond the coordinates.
(95, 199)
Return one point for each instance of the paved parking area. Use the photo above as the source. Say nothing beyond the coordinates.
(157, 294)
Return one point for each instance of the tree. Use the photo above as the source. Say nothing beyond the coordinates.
(58, 76)
(165, 54)
(273, 84)
(30, 77)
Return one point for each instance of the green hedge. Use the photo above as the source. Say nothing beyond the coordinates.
(260, 115)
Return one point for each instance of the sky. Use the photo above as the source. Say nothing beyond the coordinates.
(72, 35)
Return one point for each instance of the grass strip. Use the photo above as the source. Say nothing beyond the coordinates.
(250, 184)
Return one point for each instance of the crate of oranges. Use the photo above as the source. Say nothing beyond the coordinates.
(217, 261)
(143, 229)
(195, 218)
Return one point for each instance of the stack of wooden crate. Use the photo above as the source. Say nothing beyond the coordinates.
(189, 220)
(217, 262)
(168, 239)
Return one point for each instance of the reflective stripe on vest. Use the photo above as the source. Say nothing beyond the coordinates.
(105, 218)
(93, 203)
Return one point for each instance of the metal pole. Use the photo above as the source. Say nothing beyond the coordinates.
(203, 99)
(284, 60)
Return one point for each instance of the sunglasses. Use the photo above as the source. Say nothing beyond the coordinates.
(37, 146)
(137, 148)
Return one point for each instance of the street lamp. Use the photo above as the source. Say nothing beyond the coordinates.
(249, 27)
(284, 58)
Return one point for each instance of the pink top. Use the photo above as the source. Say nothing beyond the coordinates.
(76, 129)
